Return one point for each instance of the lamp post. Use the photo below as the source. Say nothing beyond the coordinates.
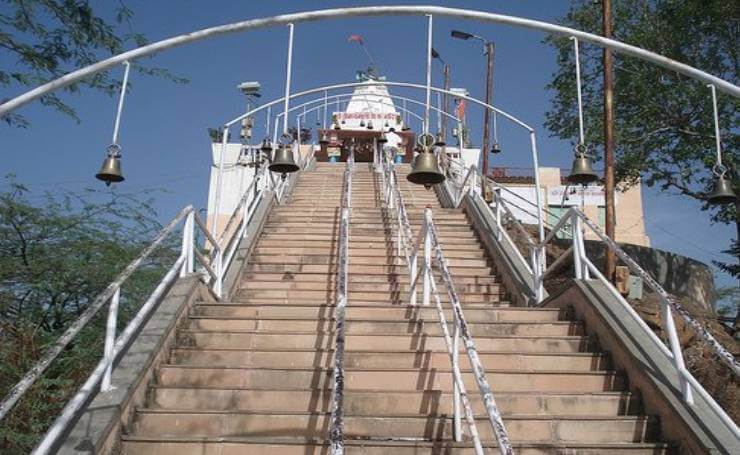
(445, 98)
(489, 49)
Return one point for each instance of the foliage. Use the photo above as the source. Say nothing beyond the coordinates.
(55, 258)
(49, 38)
(663, 121)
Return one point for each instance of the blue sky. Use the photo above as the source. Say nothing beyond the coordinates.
(163, 132)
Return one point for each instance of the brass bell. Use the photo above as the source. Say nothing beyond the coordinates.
(440, 142)
(266, 146)
(496, 149)
(337, 127)
(722, 193)
(582, 172)
(362, 123)
(324, 139)
(370, 124)
(426, 170)
(110, 171)
(283, 162)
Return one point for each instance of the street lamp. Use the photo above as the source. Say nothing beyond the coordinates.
(445, 99)
(489, 50)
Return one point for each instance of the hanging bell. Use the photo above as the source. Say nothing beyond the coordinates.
(391, 130)
(386, 124)
(582, 172)
(283, 162)
(426, 170)
(110, 171)
(266, 146)
(362, 123)
(343, 122)
(722, 193)
(440, 142)
(324, 139)
(370, 124)
(337, 127)
(496, 149)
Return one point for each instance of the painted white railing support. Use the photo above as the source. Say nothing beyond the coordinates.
(110, 339)
(427, 256)
(456, 411)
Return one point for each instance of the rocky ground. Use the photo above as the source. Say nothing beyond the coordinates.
(716, 378)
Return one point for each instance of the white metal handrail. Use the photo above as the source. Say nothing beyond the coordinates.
(470, 184)
(214, 265)
(575, 220)
(114, 345)
(433, 252)
(336, 430)
(405, 241)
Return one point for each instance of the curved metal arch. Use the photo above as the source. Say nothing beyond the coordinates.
(388, 83)
(315, 108)
(310, 16)
(346, 95)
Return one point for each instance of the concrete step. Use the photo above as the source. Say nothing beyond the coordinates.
(386, 379)
(363, 403)
(330, 285)
(376, 239)
(294, 266)
(387, 245)
(139, 445)
(329, 296)
(389, 251)
(308, 358)
(264, 259)
(360, 278)
(562, 429)
(290, 340)
(376, 312)
(371, 327)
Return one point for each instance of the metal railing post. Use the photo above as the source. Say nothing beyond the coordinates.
(217, 289)
(457, 427)
(497, 200)
(575, 228)
(413, 268)
(675, 345)
(110, 339)
(427, 255)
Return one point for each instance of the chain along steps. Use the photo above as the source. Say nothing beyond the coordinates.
(254, 375)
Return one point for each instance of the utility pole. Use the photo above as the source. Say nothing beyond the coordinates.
(445, 101)
(490, 49)
(610, 262)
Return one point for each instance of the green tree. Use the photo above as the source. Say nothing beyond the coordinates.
(55, 258)
(663, 121)
(50, 38)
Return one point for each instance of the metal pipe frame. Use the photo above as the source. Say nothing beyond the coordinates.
(583, 267)
(349, 95)
(430, 238)
(473, 100)
(336, 13)
(336, 430)
(114, 346)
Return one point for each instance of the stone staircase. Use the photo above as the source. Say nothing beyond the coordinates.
(254, 375)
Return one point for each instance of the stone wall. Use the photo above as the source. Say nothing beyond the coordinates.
(679, 275)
